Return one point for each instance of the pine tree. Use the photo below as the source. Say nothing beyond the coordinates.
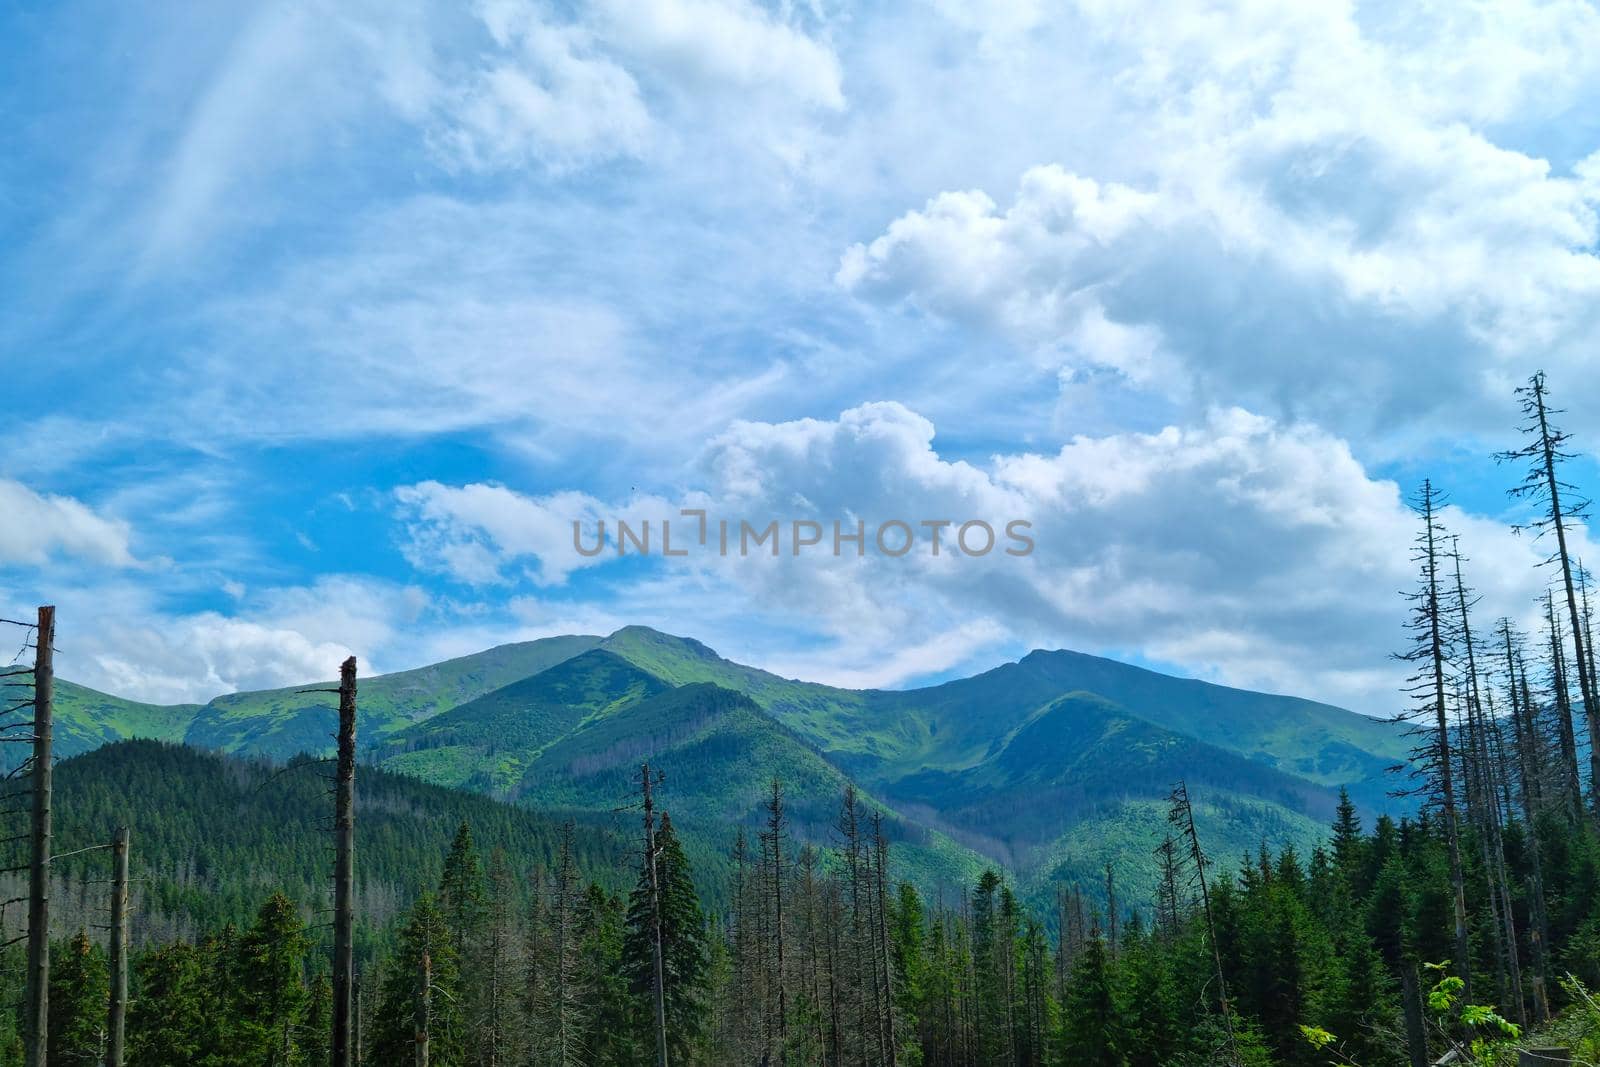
(167, 1022)
(1092, 1030)
(683, 945)
(612, 1036)
(394, 1024)
(79, 986)
(270, 997)
(463, 892)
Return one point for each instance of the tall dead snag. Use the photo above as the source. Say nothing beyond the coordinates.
(1481, 769)
(880, 853)
(658, 975)
(1111, 910)
(1431, 641)
(1182, 816)
(116, 1020)
(36, 1022)
(1525, 744)
(344, 831)
(1543, 452)
(1571, 789)
(424, 1007)
(776, 825)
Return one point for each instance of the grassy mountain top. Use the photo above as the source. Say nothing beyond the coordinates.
(282, 722)
(86, 719)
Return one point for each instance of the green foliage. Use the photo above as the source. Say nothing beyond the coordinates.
(79, 985)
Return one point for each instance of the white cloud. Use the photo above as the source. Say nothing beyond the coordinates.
(1315, 215)
(552, 99)
(37, 527)
(118, 637)
(725, 43)
(563, 95)
(1240, 548)
(470, 532)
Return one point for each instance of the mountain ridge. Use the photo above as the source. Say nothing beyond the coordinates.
(1056, 762)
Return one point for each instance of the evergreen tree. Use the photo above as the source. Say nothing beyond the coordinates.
(683, 945)
(394, 1023)
(1092, 1018)
(79, 985)
(167, 1021)
(463, 892)
(269, 993)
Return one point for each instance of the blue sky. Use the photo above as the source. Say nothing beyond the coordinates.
(326, 320)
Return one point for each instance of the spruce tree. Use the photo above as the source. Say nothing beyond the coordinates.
(167, 1021)
(1092, 1019)
(463, 892)
(394, 1023)
(683, 946)
(79, 986)
(269, 992)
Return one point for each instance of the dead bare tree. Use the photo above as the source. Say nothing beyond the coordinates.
(1544, 451)
(1432, 639)
(116, 1020)
(344, 871)
(1181, 815)
(36, 1021)
(658, 976)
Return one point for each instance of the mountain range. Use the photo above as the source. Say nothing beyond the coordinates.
(1052, 766)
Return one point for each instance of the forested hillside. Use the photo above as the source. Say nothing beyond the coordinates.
(1049, 768)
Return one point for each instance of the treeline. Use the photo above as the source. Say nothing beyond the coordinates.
(820, 958)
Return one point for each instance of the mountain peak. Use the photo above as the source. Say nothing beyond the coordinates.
(637, 636)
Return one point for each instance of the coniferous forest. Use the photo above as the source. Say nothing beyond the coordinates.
(482, 933)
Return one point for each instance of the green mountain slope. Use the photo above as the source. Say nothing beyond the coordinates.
(884, 735)
(487, 743)
(1049, 765)
(212, 835)
(1083, 760)
(86, 719)
(283, 722)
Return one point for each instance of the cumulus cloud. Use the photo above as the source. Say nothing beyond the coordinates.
(39, 526)
(565, 94)
(1242, 548)
(1316, 217)
(471, 532)
(552, 99)
(120, 638)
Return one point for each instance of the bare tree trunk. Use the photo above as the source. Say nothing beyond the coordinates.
(1548, 448)
(37, 1019)
(658, 980)
(1111, 910)
(1488, 811)
(1568, 739)
(116, 1019)
(424, 1009)
(1442, 741)
(344, 823)
(1525, 768)
(1183, 816)
(1411, 1004)
(775, 825)
(881, 849)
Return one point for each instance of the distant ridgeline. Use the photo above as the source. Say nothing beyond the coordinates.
(1049, 768)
